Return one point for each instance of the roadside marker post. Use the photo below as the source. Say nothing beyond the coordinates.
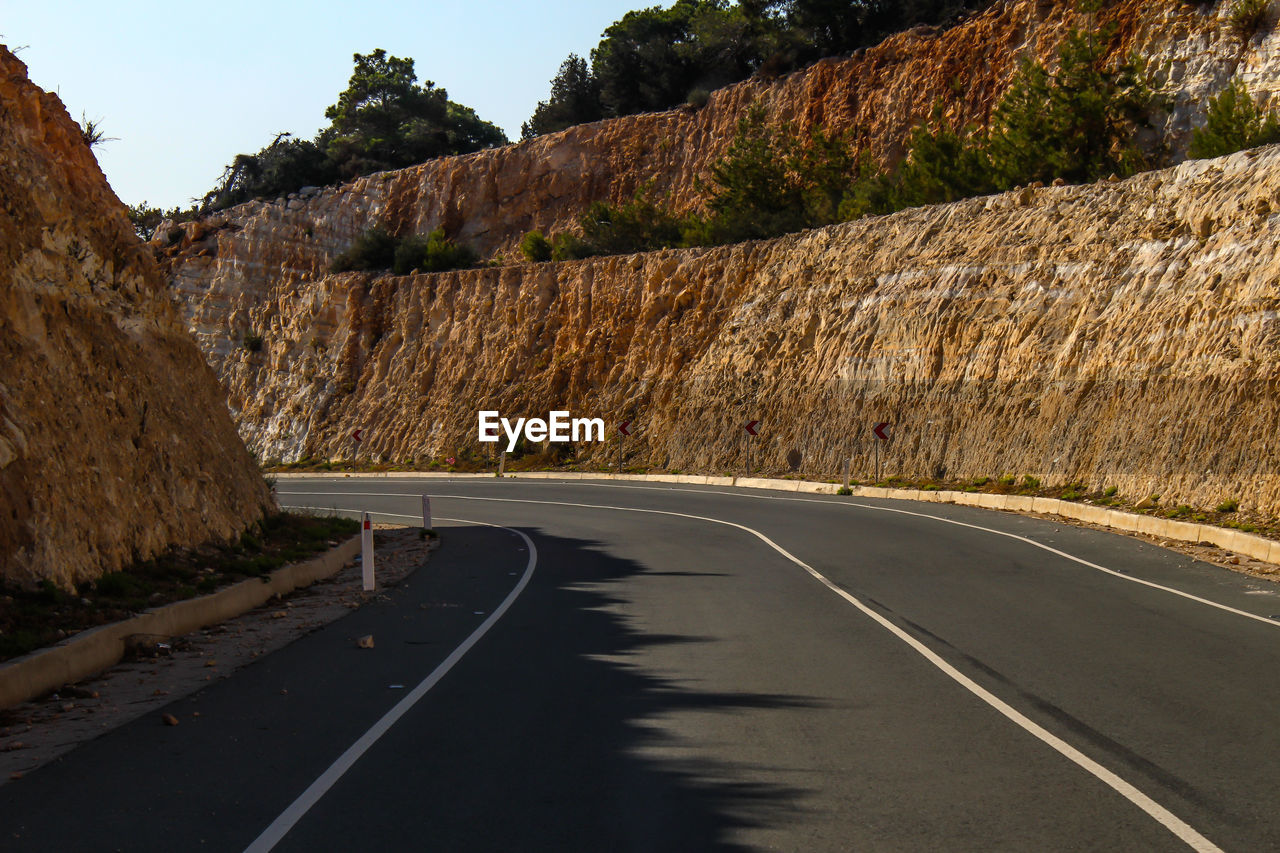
(879, 430)
(502, 465)
(426, 512)
(624, 430)
(366, 552)
(751, 433)
(848, 465)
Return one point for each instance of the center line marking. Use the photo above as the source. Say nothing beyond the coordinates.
(1042, 546)
(1179, 828)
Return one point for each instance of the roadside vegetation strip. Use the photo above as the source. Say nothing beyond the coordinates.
(89, 652)
(32, 617)
(279, 828)
(1179, 828)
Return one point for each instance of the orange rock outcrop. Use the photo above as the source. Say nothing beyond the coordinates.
(115, 441)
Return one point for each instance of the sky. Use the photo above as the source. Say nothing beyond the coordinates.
(186, 86)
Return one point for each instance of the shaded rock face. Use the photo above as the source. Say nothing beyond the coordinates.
(1124, 333)
(490, 199)
(115, 441)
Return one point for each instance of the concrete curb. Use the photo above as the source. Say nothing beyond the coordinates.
(90, 652)
(1236, 541)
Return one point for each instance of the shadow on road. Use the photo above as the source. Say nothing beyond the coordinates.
(547, 736)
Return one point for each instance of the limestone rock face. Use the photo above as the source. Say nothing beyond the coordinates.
(1121, 334)
(1125, 333)
(115, 441)
(490, 199)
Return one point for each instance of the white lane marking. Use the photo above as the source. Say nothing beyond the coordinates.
(1163, 816)
(272, 835)
(1121, 575)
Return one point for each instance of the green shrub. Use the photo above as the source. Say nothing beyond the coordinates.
(637, 226)
(252, 342)
(535, 247)
(433, 253)
(373, 250)
(117, 585)
(1008, 480)
(1110, 492)
(570, 247)
(1235, 122)
(844, 490)
(1247, 17)
(1030, 482)
(1229, 505)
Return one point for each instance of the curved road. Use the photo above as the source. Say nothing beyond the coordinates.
(605, 666)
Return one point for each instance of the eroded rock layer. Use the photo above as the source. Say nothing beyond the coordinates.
(1125, 333)
(490, 199)
(115, 441)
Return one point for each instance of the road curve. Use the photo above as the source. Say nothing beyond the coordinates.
(702, 669)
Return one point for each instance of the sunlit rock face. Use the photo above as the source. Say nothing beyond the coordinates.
(1116, 334)
(115, 442)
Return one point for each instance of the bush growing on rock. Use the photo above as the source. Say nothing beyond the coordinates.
(376, 250)
(1235, 122)
(535, 247)
(373, 250)
(433, 253)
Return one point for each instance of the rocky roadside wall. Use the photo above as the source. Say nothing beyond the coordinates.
(490, 199)
(1125, 333)
(115, 441)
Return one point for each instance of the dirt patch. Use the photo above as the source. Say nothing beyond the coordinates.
(162, 669)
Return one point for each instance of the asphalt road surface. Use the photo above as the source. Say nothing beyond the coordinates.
(616, 667)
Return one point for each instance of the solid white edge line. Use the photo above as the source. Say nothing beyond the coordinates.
(1121, 575)
(1182, 830)
(273, 834)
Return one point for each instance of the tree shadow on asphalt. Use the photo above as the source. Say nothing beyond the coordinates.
(547, 737)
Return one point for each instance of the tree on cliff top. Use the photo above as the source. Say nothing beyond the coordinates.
(384, 119)
(657, 58)
(575, 99)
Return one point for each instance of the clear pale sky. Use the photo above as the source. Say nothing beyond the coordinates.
(186, 86)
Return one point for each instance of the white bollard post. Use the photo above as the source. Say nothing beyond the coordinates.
(366, 553)
(426, 513)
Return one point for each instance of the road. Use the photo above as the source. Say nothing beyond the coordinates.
(606, 666)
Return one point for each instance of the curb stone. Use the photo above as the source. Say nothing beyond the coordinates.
(90, 652)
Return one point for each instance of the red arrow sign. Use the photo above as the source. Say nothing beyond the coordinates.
(751, 427)
(879, 430)
(356, 434)
(625, 428)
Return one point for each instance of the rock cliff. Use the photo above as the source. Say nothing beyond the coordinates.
(115, 441)
(1118, 334)
(490, 199)
(1124, 333)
